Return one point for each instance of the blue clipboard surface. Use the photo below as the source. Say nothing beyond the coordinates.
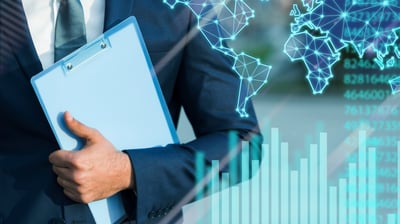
(108, 84)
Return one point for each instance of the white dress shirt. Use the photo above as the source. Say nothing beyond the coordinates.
(42, 15)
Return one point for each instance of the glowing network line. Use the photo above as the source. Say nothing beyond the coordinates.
(220, 21)
(358, 23)
(317, 56)
(395, 85)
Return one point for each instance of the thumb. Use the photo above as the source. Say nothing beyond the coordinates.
(79, 129)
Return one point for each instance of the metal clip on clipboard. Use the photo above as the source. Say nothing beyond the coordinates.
(86, 53)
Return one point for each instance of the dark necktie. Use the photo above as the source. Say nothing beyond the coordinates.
(70, 30)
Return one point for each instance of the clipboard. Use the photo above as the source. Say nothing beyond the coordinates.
(108, 84)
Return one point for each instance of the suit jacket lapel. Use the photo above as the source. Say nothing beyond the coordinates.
(19, 38)
(116, 11)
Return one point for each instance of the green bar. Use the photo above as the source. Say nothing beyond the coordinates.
(265, 176)
(362, 178)
(294, 197)
(343, 201)
(255, 192)
(275, 176)
(323, 178)
(215, 205)
(284, 218)
(233, 151)
(245, 184)
(352, 193)
(313, 183)
(200, 168)
(225, 198)
(304, 192)
(333, 205)
(372, 186)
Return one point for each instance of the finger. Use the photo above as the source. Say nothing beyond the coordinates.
(61, 158)
(63, 173)
(76, 196)
(79, 129)
(67, 185)
(72, 195)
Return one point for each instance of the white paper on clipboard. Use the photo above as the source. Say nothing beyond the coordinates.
(108, 84)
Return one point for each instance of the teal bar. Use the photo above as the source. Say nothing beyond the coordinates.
(225, 198)
(265, 176)
(313, 183)
(255, 147)
(391, 218)
(342, 201)
(215, 197)
(294, 197)
(304, 198)
(255, 192)
(235, 212)
(200, 174)
(323, 178)
(398, 182)
(352, 193)
(209, 176)
(284, 218)
(233, 151)
(372, 186)
(245, 184)
(362, 178)
(333, 215)
(275, 205)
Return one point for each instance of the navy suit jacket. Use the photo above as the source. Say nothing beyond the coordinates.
(197, 78)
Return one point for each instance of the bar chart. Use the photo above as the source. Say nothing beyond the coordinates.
(272, 191)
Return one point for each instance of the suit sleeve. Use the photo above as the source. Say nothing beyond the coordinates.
(207, 88)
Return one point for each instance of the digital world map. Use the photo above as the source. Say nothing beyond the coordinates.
(317, 37)
(365, 25)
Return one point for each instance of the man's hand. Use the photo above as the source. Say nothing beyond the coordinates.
(96, 171)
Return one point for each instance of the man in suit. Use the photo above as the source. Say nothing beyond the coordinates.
(38, 182)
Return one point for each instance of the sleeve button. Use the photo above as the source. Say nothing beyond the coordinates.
(152, 214)
(159, 213)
